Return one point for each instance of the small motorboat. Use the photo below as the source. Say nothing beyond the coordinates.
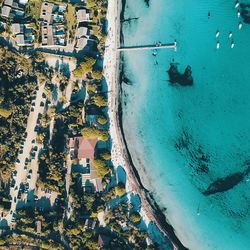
(238, 14)
(237, 4)
(240, 25)
(230, 34)
(232, 44)
(218, 45)
(217, 33)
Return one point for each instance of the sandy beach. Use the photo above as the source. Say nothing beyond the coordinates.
(120, 154)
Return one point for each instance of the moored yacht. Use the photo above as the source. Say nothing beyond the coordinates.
(232, 44)
(217, 33)
(240, 25)
(230, 34)
(236, 4)
(218, 45)
(238, 14)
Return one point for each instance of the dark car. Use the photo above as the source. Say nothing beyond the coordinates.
(37, 128)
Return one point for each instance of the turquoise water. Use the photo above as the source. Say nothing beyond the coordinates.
(182, 139)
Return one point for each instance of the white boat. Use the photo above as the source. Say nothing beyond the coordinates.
(230, 34)
(218, 45)
(237, 4)
(232, 44)
(238, 13)
(217, 33)
(240, 25)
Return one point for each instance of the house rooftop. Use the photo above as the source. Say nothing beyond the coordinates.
(82, 31)
(5, 11)
(85, 147)
(82, 15)
(46, 11)
(20, 40)
(8, 2)
(17, 28)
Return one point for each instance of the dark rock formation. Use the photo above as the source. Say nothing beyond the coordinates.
(245, 12)
(226, 183)
(147, 2)
(175, 76)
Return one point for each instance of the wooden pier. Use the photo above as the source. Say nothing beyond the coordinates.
(150, 47)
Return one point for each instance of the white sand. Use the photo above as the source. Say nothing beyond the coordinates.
(111, 73)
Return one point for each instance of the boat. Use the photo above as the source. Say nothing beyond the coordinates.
(218, 45)
(230, 34)
(238, 13)
(217, 33)
(240, 25)
(232, 44)
(237, 4)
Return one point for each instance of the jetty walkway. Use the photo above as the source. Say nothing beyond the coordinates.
(149, 47)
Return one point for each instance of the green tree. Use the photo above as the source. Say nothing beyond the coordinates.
(85, 67)
(97, 74)
(120, 189)
(101, 167)
(102, 120)
(135, 217)
(99, 101)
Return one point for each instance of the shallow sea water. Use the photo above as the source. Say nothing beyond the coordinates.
(182, 139)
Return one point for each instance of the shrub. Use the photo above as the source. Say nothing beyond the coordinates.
(85, 67)
(100, 101)
(120, 189)
(135, 217)
(100, 167)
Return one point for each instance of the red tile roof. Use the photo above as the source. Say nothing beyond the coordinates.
(85, 147)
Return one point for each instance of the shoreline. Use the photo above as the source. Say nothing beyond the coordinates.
(113, 72)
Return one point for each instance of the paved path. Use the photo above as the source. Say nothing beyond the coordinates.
(31, 135)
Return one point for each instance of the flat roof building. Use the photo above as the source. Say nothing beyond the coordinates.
(17, 28)
(82, 16)
(46, 12)
(5, 11)
(20, 41)
(8, 2)
(82, 31)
